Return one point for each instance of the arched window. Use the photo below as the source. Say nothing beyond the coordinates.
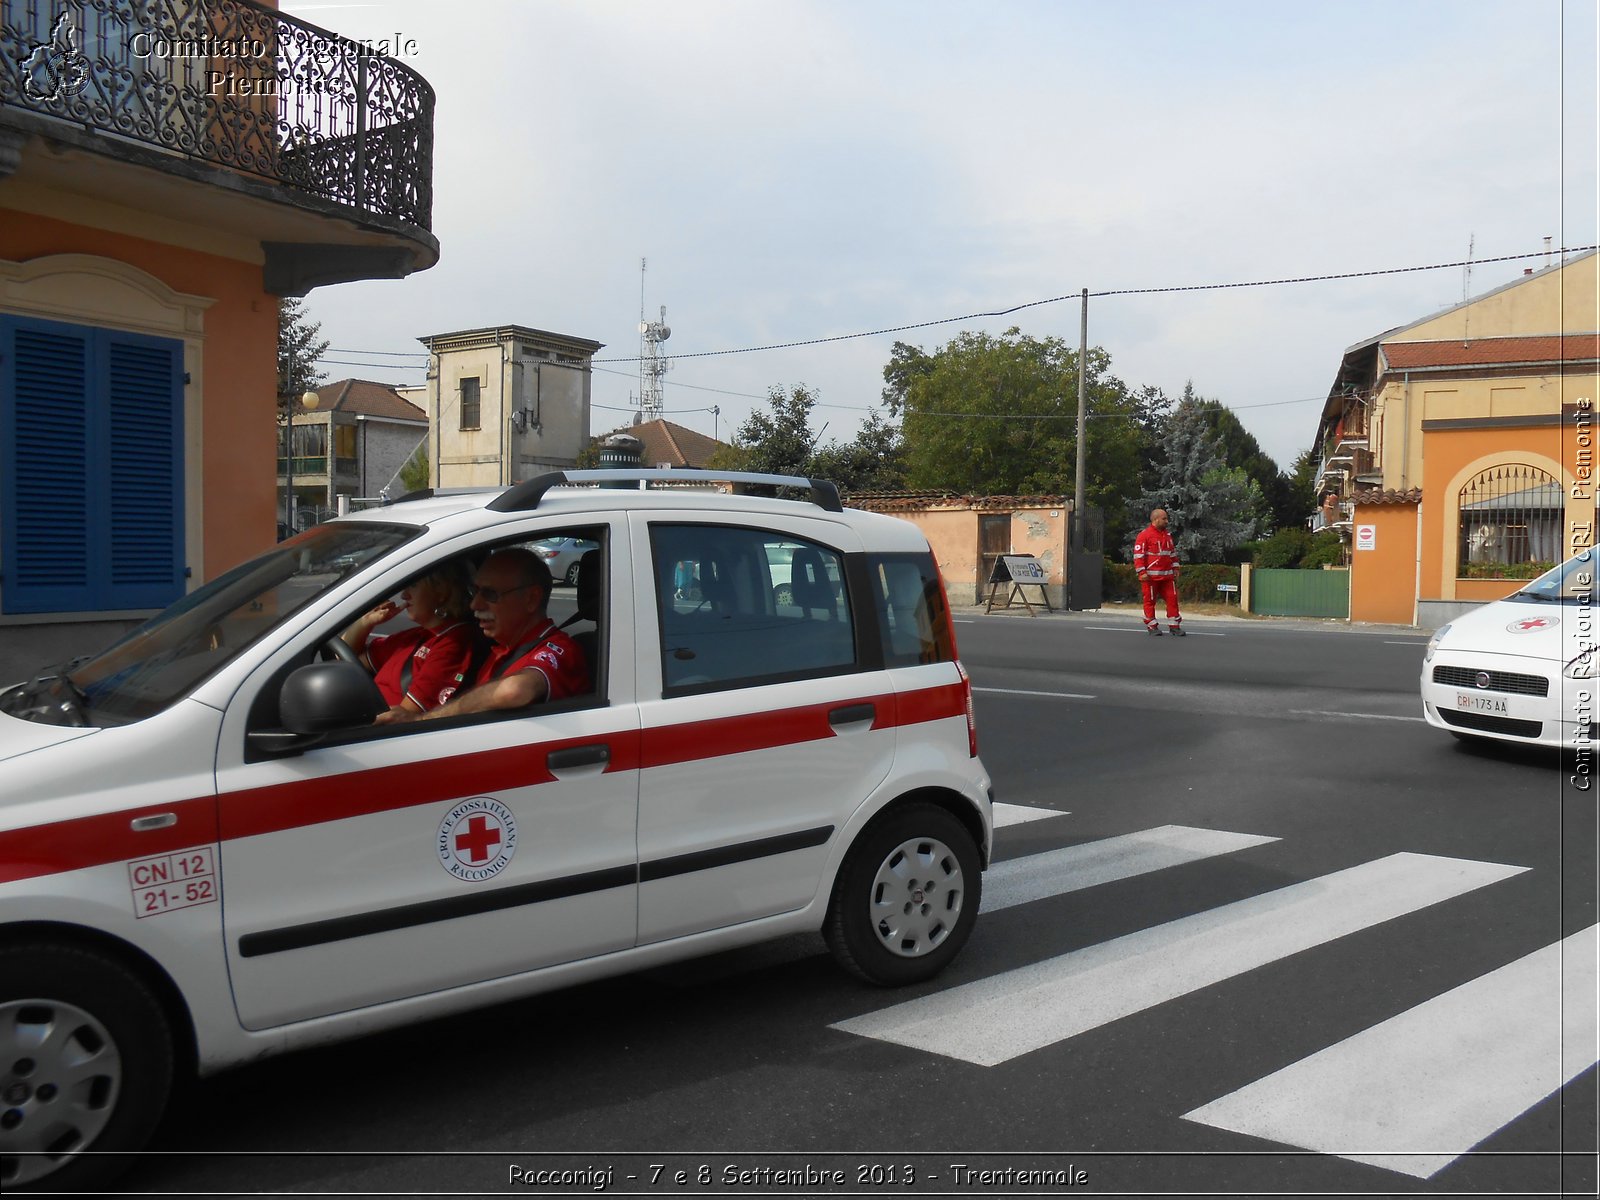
(1510, 523)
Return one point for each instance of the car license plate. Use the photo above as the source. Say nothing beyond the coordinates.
(1471, 702)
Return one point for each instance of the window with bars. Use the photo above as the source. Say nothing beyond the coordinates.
(1510, 525)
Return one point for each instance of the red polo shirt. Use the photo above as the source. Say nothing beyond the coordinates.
(556, 656)
(437, 662)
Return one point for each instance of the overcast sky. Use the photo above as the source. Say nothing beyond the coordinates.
(801, 169)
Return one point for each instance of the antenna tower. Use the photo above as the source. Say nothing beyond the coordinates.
(652, 363)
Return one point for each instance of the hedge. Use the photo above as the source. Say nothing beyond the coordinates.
(1195, 583)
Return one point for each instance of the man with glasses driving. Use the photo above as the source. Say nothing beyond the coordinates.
(532, 661)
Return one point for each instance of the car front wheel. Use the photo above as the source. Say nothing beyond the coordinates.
(86, 1063)
(906, 897)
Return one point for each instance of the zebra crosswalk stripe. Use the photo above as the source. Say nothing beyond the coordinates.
(1021, 814)
(1073, 868)
(992, 1020)
(1419, 1090)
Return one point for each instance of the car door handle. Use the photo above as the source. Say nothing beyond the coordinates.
(851, 714)
(578, 756)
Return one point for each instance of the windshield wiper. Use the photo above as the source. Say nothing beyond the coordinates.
(1537, 596)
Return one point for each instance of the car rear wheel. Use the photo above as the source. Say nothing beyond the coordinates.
(906, 897)
(86, 1063)
(572, 575)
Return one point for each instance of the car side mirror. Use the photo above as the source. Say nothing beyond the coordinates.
(327, 696)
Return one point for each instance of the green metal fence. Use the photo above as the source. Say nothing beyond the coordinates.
(1300, 593)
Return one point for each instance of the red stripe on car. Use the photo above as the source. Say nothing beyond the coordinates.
(93, 841)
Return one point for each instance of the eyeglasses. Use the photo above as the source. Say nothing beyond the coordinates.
(492, 595)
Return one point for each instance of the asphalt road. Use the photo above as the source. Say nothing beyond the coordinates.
(1260, 931)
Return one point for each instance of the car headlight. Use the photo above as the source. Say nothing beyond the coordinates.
(1433, 642)
(1582, 667)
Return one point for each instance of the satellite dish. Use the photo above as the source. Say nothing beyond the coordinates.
(664, 334)
(644, 326)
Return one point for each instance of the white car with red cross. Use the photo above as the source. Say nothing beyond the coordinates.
(210, 853)
(1521, 669)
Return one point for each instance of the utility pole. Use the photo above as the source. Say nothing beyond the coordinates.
(1083, 421)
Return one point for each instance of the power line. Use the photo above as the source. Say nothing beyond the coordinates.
(383, 353)
(1198, 287)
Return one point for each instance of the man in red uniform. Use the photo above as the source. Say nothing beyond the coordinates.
(532, 660)
(1155, 558)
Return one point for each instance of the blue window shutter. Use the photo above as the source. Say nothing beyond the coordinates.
(45, 388)
(91, 468)
(143, 566)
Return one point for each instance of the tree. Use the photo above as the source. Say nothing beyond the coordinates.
(1213, 506)
(300, 345)
(414, 474)
(776, 440)
(1302, 492)
(1240, 449)
(990, 415)
(873, 462)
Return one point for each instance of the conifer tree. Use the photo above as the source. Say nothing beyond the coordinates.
(300, 345)
(1213, 507)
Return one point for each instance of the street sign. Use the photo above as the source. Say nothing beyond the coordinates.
(1014, 571)
(1366, 537)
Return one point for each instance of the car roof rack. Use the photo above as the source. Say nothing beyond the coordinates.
(432, 493)
(525, 496)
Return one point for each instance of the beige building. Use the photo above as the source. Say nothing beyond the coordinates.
(968, 533)
(505, 403)
(1461, 447)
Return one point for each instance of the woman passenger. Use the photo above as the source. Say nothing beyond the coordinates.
(419, 669)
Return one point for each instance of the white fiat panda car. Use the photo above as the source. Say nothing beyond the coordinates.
(1521, 669)
(209, 852)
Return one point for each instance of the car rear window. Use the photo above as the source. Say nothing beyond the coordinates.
(747, 606)
(911, 609)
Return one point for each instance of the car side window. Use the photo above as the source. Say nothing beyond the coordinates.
(740, 607)
(911, 609)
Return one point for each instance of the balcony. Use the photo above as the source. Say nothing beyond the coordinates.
(336, 139)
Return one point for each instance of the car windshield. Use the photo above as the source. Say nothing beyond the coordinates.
(166, 657)
(1572, 582)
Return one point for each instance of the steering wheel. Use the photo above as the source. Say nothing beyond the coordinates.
(340, 649)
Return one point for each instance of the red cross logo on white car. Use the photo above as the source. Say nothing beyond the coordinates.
(1533, 624)
(477, 839)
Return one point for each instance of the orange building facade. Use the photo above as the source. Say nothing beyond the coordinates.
(1462, 448)
(161, 189)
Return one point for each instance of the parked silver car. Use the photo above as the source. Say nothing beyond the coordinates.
(561, 555)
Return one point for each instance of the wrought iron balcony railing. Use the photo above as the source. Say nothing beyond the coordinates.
(232, 84)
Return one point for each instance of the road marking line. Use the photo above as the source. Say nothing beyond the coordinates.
(993, 1020)
(1020, 692)
(1418, 1091)
(1021, 814)
(1057, 872)
(1405, 643)
(1318, 712)
(1141, 629)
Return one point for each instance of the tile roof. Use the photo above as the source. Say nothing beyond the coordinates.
(366, 398)
(925, 501)
(667, 442)
(1389, 496)
(1494, 351)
